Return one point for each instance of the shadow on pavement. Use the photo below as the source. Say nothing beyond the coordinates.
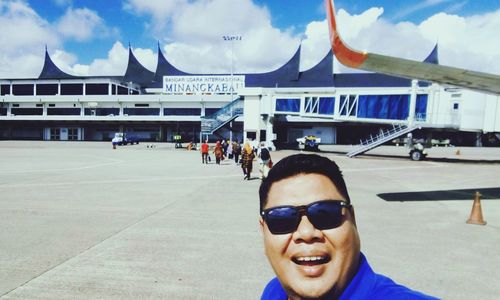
(465, 194)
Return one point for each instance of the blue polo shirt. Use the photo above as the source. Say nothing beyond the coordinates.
(365, 285)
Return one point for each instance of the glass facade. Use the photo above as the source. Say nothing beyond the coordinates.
(391, 107)
(288, 105)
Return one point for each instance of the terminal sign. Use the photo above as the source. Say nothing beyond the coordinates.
(216, 84)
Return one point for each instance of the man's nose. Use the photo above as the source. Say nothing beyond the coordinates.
(306, 232)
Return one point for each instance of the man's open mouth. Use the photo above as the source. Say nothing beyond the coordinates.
(311, 260)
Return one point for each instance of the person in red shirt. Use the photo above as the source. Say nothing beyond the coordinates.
(204, 153)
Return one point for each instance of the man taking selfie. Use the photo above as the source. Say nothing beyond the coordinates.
(311, 239)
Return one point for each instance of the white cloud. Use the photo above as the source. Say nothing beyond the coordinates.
(24, 36)
(114, 64)
(193, 41)
(82, 24)
(467, 42)
(161, 10)
(194, 36)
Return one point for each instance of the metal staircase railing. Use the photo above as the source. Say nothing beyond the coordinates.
(227, 113)
(381, 138)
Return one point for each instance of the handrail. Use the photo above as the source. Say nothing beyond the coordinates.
(209, 124)
(382, 137)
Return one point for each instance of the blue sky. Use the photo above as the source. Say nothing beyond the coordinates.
(92, 36)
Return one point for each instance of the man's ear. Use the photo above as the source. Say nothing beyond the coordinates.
(261, 222)
(353, 216)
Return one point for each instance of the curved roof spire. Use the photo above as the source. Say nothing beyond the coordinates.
(165, 68)
(319, 75)
(136, 72)
(51, 71)
(433, 56)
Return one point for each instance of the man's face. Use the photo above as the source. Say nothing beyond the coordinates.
(290, 254)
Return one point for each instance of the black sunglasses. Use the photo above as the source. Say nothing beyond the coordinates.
(325, 214)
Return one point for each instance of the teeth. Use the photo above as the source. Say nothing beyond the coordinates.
(310, 258)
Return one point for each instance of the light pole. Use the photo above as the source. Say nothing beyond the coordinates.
(232, 38)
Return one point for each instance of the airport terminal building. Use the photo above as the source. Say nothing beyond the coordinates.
(276, 107)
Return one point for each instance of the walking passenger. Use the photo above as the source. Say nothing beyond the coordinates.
(247, 157)
(264, 160)
(236, 151)
(204, 153)
(218, 152)
(230, 150)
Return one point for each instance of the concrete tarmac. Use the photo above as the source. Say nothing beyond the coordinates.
(82, 221)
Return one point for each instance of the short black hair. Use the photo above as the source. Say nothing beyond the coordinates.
(302, 164)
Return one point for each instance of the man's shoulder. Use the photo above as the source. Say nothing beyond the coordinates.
(386, 288)
(273, 291)
(367, 284)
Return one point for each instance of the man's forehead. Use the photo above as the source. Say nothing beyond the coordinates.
(301, 189)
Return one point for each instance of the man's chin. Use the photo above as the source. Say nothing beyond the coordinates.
(310, 288)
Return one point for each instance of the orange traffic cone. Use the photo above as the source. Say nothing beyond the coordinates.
(476, 215)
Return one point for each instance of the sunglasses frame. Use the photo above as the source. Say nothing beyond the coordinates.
(302, 211)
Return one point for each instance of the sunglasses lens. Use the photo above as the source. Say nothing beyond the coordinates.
(325, 215)
(281, 220)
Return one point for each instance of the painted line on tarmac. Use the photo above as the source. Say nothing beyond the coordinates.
(138, 180)
(112, 162)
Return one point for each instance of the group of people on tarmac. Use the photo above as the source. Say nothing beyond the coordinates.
(242, 155)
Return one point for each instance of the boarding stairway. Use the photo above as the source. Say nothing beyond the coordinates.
(227, 113)
(383, 137)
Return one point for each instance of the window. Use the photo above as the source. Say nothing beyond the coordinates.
(97, 89)
(102, 111)
(348, 105)
(122, 90)
(4, 89)
(455, 105)
(311, 105)
(182, 111)
(23, 89)
(288, 105)
(319, 105)
(326, 105)
(26, 111)
(63, 111)
(421, 107)
(73, 134)
(46, 89)
(392, 107)
(72, 89)
(143, 111)
(55, 134)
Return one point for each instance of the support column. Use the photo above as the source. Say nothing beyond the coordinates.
(251, 111)
(413, 102)
(269, 134)
(479, 141)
